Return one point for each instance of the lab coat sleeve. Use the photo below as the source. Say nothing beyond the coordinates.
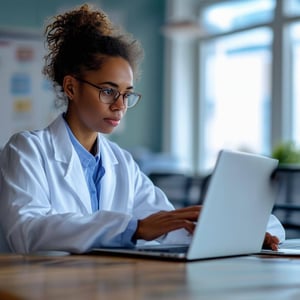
(275, 228)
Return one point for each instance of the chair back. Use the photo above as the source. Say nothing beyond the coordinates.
(4, 248)
(175, 185)
(287, 204)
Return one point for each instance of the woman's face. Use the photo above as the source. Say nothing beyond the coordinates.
(86, 112)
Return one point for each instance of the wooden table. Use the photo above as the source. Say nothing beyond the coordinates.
(103, 277)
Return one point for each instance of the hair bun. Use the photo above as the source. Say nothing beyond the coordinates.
(86, 21)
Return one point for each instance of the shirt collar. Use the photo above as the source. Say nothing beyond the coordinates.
(86, 158)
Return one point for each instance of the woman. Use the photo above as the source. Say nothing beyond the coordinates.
(67, 187)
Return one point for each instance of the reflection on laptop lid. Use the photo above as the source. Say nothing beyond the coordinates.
(235, 213)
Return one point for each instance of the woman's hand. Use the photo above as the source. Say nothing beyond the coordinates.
(163, 222)
(271, 242)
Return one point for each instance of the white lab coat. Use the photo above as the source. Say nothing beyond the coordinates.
(45, 202)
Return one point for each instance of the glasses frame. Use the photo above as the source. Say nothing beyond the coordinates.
(116, 97)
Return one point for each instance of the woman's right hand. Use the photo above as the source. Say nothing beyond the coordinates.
(163, 222)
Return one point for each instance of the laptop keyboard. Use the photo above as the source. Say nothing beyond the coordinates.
(169, 249)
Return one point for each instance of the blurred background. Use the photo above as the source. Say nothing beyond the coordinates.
(216, 74)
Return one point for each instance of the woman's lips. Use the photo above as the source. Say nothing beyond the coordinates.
(113, 122)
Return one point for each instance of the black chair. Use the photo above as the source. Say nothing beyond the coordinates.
(287, 204)
(4, 248)
(176, 186)
(181, 189)
(203, 187)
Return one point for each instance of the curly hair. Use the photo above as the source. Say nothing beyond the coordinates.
(79, 40)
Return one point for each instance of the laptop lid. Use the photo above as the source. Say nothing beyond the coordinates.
(236, 209)
(237, 206)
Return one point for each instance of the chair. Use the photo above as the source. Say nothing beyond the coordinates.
(203, 187)
(3, 244)
(176, 186)
(181, 189)
(287, 204)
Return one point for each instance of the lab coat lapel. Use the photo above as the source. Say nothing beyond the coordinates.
(108, 181)
(77, 182)
(67, 159)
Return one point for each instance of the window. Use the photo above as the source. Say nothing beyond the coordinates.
(231, 15)
(294, 37)
(237, 93)
(292, 7)
(245, 86)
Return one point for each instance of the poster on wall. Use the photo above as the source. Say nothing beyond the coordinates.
(27, 100)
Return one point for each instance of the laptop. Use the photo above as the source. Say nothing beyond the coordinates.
(233, 221)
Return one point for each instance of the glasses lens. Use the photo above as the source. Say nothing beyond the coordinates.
(132, 100)
(107, 95)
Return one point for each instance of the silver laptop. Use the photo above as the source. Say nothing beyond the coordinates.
(236, 209)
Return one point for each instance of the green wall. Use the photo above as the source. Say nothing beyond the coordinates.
(143, 18)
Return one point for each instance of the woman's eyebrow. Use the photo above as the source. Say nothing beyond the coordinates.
(115, 85)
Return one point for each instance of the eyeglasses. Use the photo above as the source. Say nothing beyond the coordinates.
(109, 95)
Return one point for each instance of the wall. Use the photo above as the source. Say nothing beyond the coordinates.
(143, 18)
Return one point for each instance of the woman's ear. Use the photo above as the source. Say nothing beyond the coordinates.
(68, 86)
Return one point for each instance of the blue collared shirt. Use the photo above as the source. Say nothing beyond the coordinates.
(92, 168)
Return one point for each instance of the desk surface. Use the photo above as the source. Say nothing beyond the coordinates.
(104, 277)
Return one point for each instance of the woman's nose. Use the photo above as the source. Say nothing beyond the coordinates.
(119, 103)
